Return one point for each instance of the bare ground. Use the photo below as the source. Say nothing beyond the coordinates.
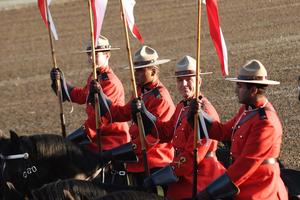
(267, 30)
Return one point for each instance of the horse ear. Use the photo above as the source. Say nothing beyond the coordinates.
(14, 136)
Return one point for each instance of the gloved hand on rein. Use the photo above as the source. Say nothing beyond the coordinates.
(104, 101)
(66, 89)
(195, 108)
(148, 119)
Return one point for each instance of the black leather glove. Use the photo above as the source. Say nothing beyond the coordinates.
(95, 87)
(195, 106)
(104, 101)
(138, 106)
(65, 88)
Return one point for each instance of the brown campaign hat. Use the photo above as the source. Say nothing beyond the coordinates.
(102, 45)
(146, 56)
(186, 66)
(253, 72)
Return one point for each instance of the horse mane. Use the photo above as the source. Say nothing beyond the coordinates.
(131, 195)
(77, 189)
(45, 147)
(48, 145)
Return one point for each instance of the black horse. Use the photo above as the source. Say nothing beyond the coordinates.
(42, 159)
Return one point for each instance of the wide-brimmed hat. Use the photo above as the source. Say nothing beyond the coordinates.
(102, 45)
(253, 72)
(186, 66)
(146, 56)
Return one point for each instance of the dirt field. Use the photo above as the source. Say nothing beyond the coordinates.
(268, 30)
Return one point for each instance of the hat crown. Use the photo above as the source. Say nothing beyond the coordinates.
(186, 63)
(186, 66)
(145, 53)
(102, 42)
(253, 68)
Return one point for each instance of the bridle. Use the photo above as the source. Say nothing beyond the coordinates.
(24, 156)
(3, 160)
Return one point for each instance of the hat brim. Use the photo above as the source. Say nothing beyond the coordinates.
(183, 75)
(101, 50)
(157, 62)
(262, 82)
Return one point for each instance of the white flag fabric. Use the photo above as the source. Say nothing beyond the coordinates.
(99, 8)
(42, 8)
(216, 34)
(128, 6)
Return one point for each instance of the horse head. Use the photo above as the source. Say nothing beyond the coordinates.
(34, 160)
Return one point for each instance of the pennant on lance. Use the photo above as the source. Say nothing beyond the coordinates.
(42, 8)
(216, 34)
(128, 6)
(99, 8)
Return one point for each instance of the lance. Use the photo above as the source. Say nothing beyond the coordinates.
(196, 121)
(138, 115)
(96, 97)
(57, 79)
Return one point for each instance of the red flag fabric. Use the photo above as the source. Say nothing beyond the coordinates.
(128, 6)
(216, 34)
(42, 8)
(98, 8)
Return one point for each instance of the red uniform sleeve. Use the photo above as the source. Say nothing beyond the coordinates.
(79, 94)
(222, 132)
(121, 113)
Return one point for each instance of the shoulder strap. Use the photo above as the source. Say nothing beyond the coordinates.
(103, 76)
(155, 92)
(260, 111)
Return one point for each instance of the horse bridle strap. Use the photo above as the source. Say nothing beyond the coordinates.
(15, 156)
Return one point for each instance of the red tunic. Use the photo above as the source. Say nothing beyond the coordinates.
(112, 135)
(209, 168)
(253, 142)
(159, 102)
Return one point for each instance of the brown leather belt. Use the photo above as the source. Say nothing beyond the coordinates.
(210, 154)
(270, 161)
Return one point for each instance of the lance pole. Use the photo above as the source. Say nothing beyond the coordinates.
(96, 97)
(57, 79)
(196, 121)
(134, 88)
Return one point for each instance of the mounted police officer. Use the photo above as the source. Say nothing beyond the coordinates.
(157, 100)
(179, 133)
(256, 134)
(112, 134)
